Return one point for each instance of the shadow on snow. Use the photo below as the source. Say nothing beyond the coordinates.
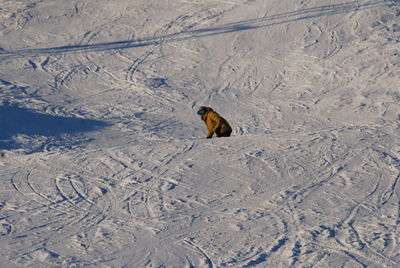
(252, 24)
(16, 121)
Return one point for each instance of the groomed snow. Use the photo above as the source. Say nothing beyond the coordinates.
(104, 162)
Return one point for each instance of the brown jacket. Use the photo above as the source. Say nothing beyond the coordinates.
(215, 123)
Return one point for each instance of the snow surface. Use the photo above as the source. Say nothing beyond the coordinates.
(104, 162)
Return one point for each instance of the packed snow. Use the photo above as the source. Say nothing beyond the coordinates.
(105, 163)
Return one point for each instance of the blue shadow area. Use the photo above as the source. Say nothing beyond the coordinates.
(15, 120)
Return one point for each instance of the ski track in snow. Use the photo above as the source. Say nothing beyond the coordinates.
(104, 163)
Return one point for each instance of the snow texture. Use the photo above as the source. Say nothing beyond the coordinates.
(104, 162)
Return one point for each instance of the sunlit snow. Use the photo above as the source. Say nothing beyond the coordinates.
(105, 163)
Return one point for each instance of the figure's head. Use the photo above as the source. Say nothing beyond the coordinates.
(202, 110)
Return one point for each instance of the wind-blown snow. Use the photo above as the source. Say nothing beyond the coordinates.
(104, 162)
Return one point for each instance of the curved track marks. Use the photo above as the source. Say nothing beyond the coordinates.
(309, 178)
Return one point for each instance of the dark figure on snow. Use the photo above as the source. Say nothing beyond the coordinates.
(214, 122)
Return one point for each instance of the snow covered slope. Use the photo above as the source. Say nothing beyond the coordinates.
(104, 162)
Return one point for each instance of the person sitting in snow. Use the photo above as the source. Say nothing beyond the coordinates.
(214, 123)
